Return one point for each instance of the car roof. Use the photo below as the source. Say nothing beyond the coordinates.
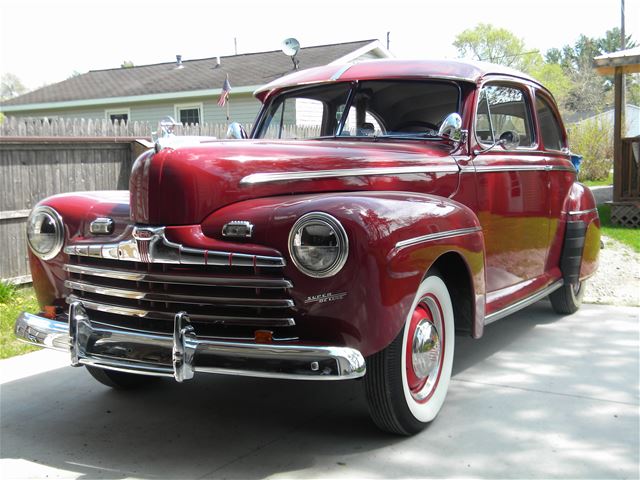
(467, 71)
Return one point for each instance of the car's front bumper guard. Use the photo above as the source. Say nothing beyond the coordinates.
(114, 349)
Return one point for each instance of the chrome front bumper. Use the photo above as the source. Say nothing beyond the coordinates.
(182, 354)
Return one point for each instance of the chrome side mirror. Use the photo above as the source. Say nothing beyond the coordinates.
(237, 131)
(452, 127)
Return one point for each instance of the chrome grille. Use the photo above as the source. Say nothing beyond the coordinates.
(222, 301)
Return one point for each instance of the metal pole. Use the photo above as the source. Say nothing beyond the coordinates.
(623, 83)
(623, 41)
(388, 41)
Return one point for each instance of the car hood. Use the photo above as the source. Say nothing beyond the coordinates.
(182, 186)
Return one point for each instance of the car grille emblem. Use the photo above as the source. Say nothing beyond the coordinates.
(144, 237)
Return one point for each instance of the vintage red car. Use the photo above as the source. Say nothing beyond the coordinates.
(377, 211)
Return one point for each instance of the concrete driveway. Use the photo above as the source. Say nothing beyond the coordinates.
(540, 396)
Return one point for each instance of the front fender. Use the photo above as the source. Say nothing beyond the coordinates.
(394, 238)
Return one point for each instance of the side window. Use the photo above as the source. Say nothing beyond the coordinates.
(503, 109)
(295, 118)
(549, 126)
(370, 126)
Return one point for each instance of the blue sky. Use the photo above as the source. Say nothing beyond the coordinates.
(44, 42)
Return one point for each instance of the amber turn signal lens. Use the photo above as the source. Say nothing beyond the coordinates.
(263, 336)
(50, 311)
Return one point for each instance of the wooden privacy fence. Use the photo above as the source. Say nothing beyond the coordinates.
(80, 127)
(34, 168)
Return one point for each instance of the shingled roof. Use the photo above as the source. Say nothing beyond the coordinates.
(251, 69)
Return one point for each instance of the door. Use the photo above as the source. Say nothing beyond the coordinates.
(512, 185)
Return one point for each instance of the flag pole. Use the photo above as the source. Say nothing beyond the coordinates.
(228, 101)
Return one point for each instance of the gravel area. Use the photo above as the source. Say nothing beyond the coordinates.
(617, 281)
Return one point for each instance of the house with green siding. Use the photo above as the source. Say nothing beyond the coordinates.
(187, 90)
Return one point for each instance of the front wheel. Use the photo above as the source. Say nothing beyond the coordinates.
(568, 298)
(407, 382)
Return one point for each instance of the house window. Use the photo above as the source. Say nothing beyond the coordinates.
(119, 115)
(188, 115)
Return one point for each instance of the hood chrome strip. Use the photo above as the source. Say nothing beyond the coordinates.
(257, 178)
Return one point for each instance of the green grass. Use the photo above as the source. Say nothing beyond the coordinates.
(599, 183)
(14, 300)
(628, 236)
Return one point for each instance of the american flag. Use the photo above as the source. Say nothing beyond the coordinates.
(224, 95)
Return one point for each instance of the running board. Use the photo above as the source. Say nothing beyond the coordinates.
(525, 302)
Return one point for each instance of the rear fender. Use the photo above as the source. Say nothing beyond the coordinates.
(576, 246)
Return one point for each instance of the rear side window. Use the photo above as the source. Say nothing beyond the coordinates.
(503, 109)
(549, 125)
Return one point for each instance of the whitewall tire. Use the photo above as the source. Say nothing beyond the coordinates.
(407, 382)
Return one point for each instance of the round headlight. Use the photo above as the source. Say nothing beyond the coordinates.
(45, 232)
(318, 245)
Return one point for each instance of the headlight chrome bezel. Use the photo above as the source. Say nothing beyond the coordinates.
(342, 243)
(56, 220)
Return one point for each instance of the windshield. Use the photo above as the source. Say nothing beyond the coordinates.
(377, 108)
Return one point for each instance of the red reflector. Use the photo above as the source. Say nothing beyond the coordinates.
(263, 336)
(50, 311)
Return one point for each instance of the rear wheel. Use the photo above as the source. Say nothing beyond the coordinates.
(407, 382)
(568, 298)
(119, 380)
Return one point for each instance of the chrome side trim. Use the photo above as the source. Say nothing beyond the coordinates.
(523, 168)
(183, 353)
(582, 212)
(240, 282)
(150, 245)
(437, 236)
(562, 168)
(510, 168)
(213, 319)
(525, 302)
(179, 298)
(258, 178)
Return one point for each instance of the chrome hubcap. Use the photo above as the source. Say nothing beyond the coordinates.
(425, 351)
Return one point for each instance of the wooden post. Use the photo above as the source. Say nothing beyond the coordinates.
(617, 136)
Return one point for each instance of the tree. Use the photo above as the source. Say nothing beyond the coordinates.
(495, 45)
(611, 41)
(11, 87)
(127, 64)
(552, 76)
(590, 92)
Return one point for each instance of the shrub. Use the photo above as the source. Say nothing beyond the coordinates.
(7, 291)
(593, 139)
